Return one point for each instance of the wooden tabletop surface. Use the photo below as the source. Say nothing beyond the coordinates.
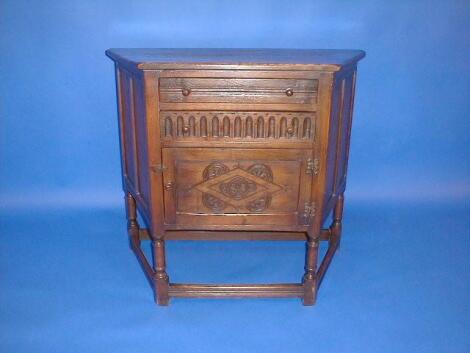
(180, 58)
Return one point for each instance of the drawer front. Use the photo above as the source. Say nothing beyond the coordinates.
(210, 186)
(210, 126)
(238, 90)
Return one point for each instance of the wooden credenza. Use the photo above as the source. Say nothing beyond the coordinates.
(235, 144)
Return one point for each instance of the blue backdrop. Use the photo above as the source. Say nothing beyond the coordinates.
(59, 152)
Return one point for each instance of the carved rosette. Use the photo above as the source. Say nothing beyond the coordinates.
(261, 171)
(213, 203)
(249, 189)
(213, 171)
(259, 205)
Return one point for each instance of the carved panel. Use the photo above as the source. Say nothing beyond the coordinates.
(177, 125)
(250, 184)
(243, 189)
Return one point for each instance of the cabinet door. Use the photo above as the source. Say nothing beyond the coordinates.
(223, 187)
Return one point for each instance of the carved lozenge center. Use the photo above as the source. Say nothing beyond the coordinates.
(238, 188)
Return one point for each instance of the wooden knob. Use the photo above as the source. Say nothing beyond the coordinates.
(169, 185)
(186, 129)
(289, 92)
(290, 130)
(185, 92)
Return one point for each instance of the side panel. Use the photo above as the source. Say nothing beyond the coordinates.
(325, 93)
(344, 135)
(132, 127)
(339, 137)
(141, 143)
(155, 163)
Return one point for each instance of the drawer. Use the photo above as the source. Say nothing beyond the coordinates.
(238, 90)
(243, 126)
(222, 186)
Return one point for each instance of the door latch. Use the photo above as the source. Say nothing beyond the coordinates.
(313, 166)
(309, 211)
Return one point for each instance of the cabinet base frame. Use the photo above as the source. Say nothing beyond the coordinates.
(168, 290)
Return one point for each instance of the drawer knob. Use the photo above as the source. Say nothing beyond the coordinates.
(186, 92)
(289, 92)
(186, 129)
(290, 130)
(169, 185)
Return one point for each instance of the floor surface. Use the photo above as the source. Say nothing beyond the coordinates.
(400, 283)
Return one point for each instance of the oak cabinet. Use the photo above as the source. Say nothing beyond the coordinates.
(234, 144)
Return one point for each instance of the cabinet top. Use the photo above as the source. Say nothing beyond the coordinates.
(280, 59)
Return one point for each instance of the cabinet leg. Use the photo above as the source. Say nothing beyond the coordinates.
(161, 279)
(336, 226)
(132, 225)
(309, 280)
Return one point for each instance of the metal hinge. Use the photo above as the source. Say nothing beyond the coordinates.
(309, 211)
(313, 166)
(159, 168)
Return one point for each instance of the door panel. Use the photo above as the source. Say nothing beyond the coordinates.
(235, 186)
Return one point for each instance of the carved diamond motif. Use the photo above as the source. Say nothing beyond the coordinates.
(248, 190)
(238, 187)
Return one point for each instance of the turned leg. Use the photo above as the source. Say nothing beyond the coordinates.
(161, 277)
(132, 225)
(309, 280)
(336, 226)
